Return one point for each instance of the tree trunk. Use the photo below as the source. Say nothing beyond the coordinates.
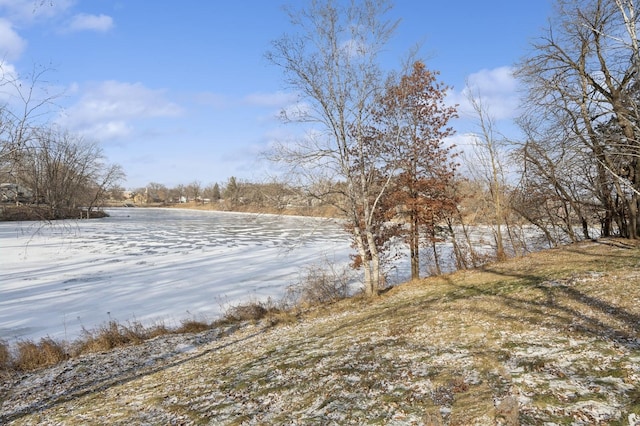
(585, 228)
(366, 261)
(472, 252)
(461, 262)
(376, 275)
(414, 245)
(436, 257)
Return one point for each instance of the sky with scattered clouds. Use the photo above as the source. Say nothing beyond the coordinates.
(178, 92)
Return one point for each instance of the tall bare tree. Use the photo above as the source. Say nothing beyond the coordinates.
(331, 58)
(106, 178)
(65, 171)
(156, 192)
(583, 76)
(554, 191)
(26, 104)
(487, 164)
(194, 190)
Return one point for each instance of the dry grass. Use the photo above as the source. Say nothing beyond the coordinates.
(28, 355)
(192, 326)
(31, 356)
(5, 357)
(250, 311)
(109, 336)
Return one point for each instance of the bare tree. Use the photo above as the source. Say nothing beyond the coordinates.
(176, 194)
(59, 169)
(66, 172)
(582, 75)
(554, 190)
(331, 59)
(486, 163)
(106, 178)
(117, 193)
(194, 190)
(157, 192)
(26, 105)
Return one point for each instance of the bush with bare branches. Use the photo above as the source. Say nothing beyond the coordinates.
(318, 284)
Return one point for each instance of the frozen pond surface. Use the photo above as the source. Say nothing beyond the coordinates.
(151, 265)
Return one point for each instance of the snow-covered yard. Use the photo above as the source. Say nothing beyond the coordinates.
(151, 265)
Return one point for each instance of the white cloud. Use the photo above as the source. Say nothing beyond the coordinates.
(462, 142)
(277, 103)
(497, 90)
(211, 99)
(116, 129)
(8, 74)
(86, 22)
(11, 44)
(495, 80)
(110, 109)
(277, 99)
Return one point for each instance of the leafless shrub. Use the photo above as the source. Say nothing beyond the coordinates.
(31, 355)
(192, 326)
(254, 311)
(251, 311)
(319, 284)
(28, 355)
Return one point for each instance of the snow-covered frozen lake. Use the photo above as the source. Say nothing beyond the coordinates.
(151, 265)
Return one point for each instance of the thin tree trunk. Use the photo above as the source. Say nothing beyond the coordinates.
(472, 253)
(374, 284)
(461, 262)
(436, 257)
(414, 244)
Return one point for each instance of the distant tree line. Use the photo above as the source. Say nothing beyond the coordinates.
(234, 194)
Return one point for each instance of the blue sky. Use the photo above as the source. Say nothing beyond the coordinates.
(179, 91)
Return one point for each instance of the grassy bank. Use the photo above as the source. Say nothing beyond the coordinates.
(551, 337)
